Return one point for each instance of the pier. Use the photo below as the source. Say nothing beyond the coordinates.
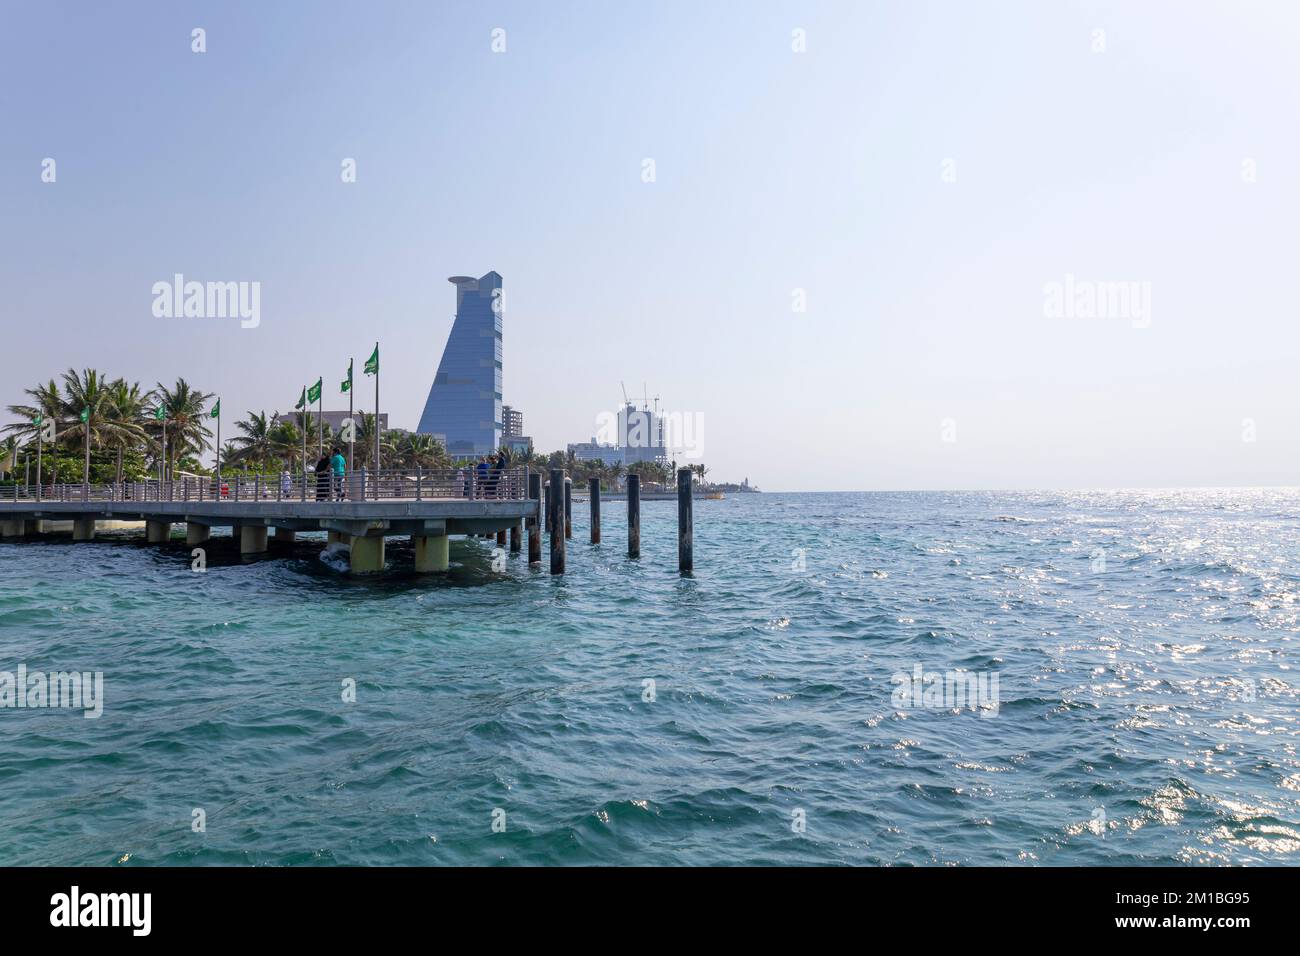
(359, 512)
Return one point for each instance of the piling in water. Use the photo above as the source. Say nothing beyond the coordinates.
(568, 507)
(557, 521)
(593, 492)
(634, 516)
(685, 526)
(535, 522)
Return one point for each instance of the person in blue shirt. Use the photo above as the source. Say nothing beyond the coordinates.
(339, 466)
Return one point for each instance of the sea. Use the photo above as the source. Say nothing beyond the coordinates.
(929, 678)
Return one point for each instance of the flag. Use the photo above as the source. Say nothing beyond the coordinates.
(159, 413)
(347, 384)
(37, 421)
(313, 393)
(372, 363)
(85, 414)
(303, 400)
(216, 410)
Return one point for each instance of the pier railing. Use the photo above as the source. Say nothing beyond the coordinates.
(416, 484)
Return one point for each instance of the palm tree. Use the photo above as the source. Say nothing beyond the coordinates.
(255, 443)
(46, 404)
(285, 441)
(87, 401)
(126, 406)
(186, 409)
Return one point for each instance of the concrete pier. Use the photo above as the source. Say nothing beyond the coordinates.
(514, 539)
(284, 536)
(252, 539)
(432, 552)
(593, 493)
(685, 523)
(501, 539)
(367, 554)
(360, 524)
(634, 516)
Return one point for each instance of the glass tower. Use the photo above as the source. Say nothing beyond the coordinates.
(464, 403)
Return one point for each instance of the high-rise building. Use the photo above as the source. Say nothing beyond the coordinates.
(464, 401)
(512, 423)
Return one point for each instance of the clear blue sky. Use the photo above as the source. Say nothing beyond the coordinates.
(775, 170)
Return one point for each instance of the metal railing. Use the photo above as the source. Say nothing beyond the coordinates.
(417, 484)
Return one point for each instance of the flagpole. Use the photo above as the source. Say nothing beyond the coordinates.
(40, 447)
(352, 441)
(218, 447)
(376, 414)
(320, 416)
(304, 435)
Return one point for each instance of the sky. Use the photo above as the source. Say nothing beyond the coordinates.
(841, 272)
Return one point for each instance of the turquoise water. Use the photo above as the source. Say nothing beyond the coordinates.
(1143, 645)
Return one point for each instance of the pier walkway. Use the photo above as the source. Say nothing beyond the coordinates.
(360, 511)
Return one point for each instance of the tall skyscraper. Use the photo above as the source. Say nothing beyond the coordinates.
(464, 401)
(512, 423)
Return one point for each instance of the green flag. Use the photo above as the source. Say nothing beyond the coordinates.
(216, 410)
(347, 383)
(37, 420)
(372, 363)
(159, 413)
(85, 414)
(313, 393)
(303, 400)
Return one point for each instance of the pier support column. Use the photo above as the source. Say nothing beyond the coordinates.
(367, 554)
(432, 552)
(196, 534)
(685, 523)
(284, 536)
(252, 539)
(535, 522)
(514, 538)
(634, 516)
(501, 538)
(34, 526)
(83, 529)
(593, 493)
(157, 532)
(336, 537)
(12, 529)
(568, 507)
(557, 521)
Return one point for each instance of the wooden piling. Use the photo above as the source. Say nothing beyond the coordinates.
(546, 504)
(685, 525)
(593, 492)
(568, 507)
(514, 539)
(634, 516)
(535, 522)
(557, 521)
(501, 539)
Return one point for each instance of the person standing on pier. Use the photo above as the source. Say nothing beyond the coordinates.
(323, 479)
(339, 468)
